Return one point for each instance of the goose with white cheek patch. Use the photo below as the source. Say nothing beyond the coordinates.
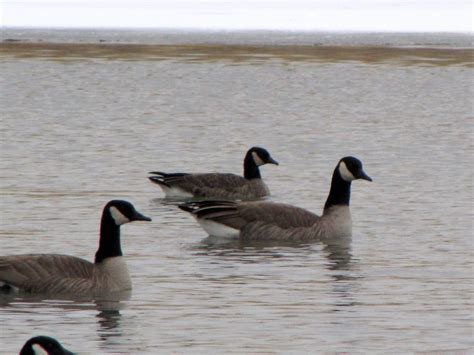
(260, 221)
(64, 274)
(43, 345)
(219, 185)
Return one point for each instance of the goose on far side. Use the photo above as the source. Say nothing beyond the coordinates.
(219, 185)
(65, 274)
(43, 345)
(261, 220)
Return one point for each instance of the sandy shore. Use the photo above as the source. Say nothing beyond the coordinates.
(237, 53)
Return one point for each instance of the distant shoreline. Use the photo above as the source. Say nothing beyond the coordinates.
(238, 52)
(237, 46)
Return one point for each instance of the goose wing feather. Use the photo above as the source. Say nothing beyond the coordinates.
(217, 185)
(46, 272)
(238, 215)
(278, 214)
(260, 231)
(211, 180)
(168, 180)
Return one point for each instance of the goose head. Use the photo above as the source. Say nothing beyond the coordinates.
(261, 156)
(122, 212)
(350, 169)
(43, 345)
(115, 213)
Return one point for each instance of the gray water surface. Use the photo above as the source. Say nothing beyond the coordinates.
(79, 131)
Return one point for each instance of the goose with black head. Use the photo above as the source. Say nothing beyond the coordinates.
(260, 220)
(65, 274)
(250, 186)
(43, 345)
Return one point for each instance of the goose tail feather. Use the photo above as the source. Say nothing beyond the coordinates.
(158, 180)
(209, 209)
(165, 179)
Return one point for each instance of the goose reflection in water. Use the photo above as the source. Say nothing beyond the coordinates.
(339, 264)
(337, 251)
(107, 306)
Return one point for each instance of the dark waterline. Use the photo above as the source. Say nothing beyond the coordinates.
(243, 37)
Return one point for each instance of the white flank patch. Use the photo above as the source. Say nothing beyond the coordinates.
(175, 192)
(257, 159)
(217, 229)
(118, 216)
(345, 173)
(39, 350)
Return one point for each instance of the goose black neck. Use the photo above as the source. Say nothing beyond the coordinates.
(251, 170)
(340, 192)
(109, 243)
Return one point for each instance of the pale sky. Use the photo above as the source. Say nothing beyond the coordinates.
(316, 15)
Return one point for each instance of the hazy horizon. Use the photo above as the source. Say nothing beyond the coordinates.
(210, 15)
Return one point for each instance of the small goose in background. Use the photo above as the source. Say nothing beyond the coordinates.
(64, 274)
(43, 345)
(275, 221)
(219, 185)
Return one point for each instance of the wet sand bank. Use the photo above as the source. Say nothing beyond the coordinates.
(237, 53)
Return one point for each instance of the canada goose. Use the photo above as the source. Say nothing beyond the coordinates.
(219, 185)
(43, 345)
(55, 273)
(275, 221)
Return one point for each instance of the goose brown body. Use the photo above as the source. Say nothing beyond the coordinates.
(261, 220)
(43, 273)
(215, 185)
(219, 185)
(56, 273)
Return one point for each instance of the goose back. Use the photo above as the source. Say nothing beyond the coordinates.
(213, 185)
(278, 214)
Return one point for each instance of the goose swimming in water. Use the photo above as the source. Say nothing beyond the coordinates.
(275, 221)
(43, 345)
(64, 274)
(219, 185)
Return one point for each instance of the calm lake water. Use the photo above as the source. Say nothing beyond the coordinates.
(83, 125)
